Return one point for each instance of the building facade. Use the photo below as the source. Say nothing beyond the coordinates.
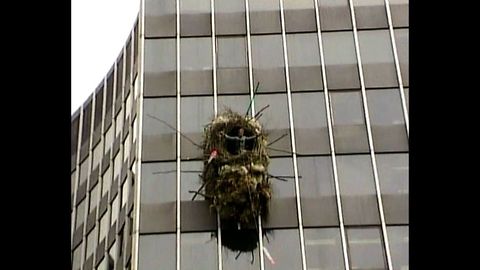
(335, 76)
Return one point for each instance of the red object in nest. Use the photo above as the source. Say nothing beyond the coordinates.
(213, 155)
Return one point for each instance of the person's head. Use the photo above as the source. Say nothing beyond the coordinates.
(240, 132)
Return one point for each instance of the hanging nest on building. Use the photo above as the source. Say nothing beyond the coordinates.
(235, 174)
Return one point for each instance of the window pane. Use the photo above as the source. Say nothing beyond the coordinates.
(311, 131)
(196, 66)
(109, 99)
(377, 58)
(104, 226)
(97, 154)
(74, 140)
(117, 165)
(232, 68)
(334, 15)
(244, 262)
(77, 256)
(399, 10)
(398, 240)
(84, 171)
(386, 117)
(285, 258)
(198, 251)
(282, 208)
(357, 190)
(299, 16)
(401, 40)
(107, 181)
(195, 215)
(109, 139)
(349, 128)
(73, 177)
(160, 67)
(159, 140)
(158, 197)
(268, 63)
(230, 17)
(119, 123)
(195, 18)
(304, 62)
(94, 197)
(98, 112)
(365, 248)
(340, 60)
(160, 18)
(115, 209)
(393, 178)
(317, 192)
(370, 14)
(157, 251)
(80, 219)
(86, 128)
(323, 248)
(275, 122)
(119, 86)
(237, 104)
(92, 239)
(196, 113)
(264, 16)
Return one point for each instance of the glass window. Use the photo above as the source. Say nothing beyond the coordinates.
(275, 123)
(190, 179)
(357, 190)
(107, 181)
(196, 66)
(377, 58)
(399, 10)
(97, 154)
(160, 67)
(340, 60)
(366, 248)
(119, 123)
(160, 18)
(236, 103)
(299, 16)
(80, 214)
(244, 261)
(282, 208)
(74, 140)
(157, 251)
(77, 257)
(109, 98)
(334, 15)
(98, 108)
(387, 122)
(128, 106)
(304, 62)
(195, 18)
(196, 113)
(113, 252)
(73, 177)
(398, 240)
(84, 171)
(317, 191)
(284, 258)
(264, 16)
(158, 197)
(370, 14)
(349, 128)
(232, 67)
(268, 63)
(393, 178)
(159, 140)
(323, 248)
(117, 165)
(128, 66)
(311, 131)
(92, 239)
(115, 210)
(104, 226)
(109, 139)
(401, 40)
(127, 147)
(198, 251)
(125, 191)
(86, 127)
(94, 198)
(119, 84)
(230, 17)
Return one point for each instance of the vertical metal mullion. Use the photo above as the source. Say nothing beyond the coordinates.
(215, 111)
(328, 109)
(370, 138)
(178, 250)
(252, 111)
(138, 180)
(397, 65)
(292, 137)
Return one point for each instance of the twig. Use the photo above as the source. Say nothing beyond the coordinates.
(183, 135)
(261, 110)
(278, 139)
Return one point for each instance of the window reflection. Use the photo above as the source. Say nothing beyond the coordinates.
(160, 18)
(196, 113)
(232, 69)
(284, 248)
(323, 249)
(268, 63)
(196, 66)
(160, 67)
(264, 16)
(157, 250)
(299, 16)
(398, 240)
(195, 18)
(370, 14)
(198, 251)
(230, 17)
(334, 15)
(365, 248)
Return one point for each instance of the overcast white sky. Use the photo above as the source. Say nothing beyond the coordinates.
(99, 30)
